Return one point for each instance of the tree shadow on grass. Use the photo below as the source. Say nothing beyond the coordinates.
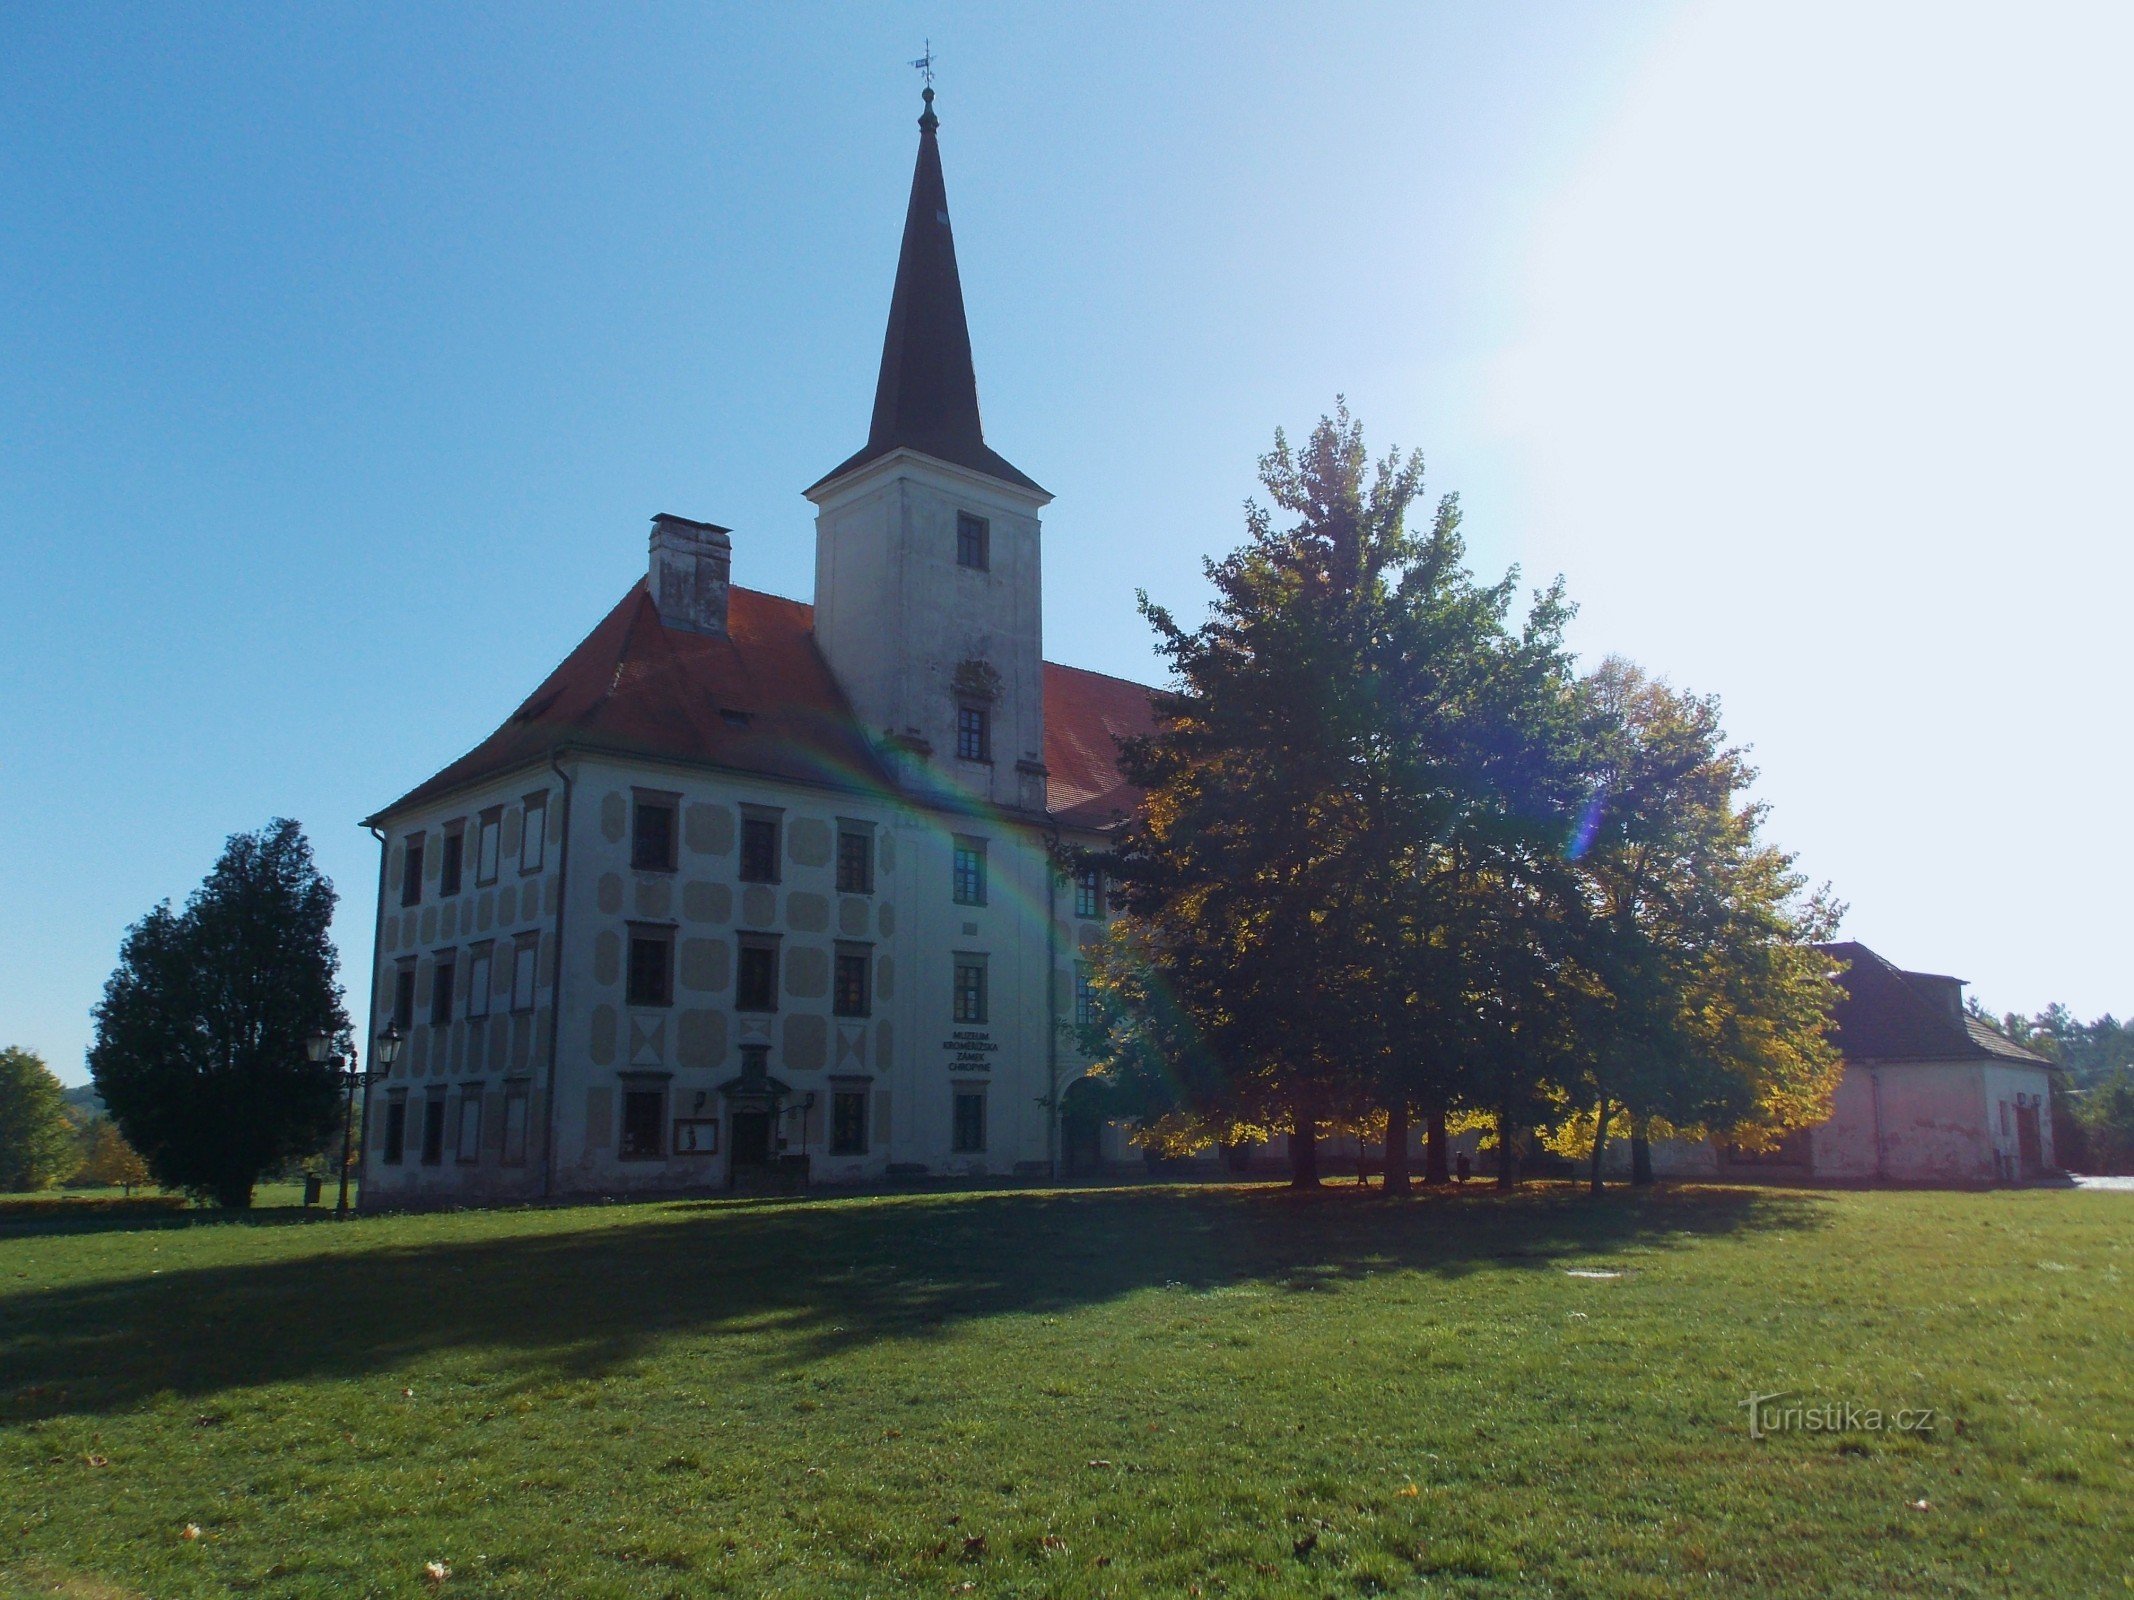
(587, 1295)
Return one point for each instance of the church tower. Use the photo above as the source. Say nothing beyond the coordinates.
(927, 572)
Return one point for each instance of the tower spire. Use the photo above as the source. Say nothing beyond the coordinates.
(926, 396)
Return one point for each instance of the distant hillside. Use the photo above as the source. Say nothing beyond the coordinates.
(84, 1099)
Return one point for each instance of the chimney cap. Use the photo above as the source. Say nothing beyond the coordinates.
(688, 522)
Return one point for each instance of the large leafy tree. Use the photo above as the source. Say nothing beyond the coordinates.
(1702, 1001)
(39, 1144)
(200, 1036)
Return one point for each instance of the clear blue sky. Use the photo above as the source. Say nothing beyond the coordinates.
(345, 351)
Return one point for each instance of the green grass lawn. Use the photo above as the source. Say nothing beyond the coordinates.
(1131, 1391)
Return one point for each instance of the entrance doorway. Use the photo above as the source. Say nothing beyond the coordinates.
(2029, 1143)
(752, 1139)
(1082, 1128)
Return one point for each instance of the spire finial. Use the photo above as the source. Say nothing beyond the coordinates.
(925, 67)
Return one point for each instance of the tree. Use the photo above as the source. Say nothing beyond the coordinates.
(1699, 997)
(201, 1032)
(2107, 1123)
(37, 1137)
(108, 1160)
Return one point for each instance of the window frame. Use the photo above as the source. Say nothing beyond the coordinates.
(404, 995)
(533, 855)
(754, 820)
(642, 1092)
(517, 1115)
(644, 803)
(395, 1139)
(862, 835)
(488, 846)
(411, 863)
(974, 539)
(756, 944)
(970, 1005)
(481, 977)
(961, 1095)
(451, 859)
(526, 960)
(974, 731)
(967, 870)
(433, 1129)
(1089, 893)
(843, 1097)
(1087, 1005)
(470, 1103)
(444, 974)
(848, 958)
(646, 935)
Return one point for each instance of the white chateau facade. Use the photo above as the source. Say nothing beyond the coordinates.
(755, 891)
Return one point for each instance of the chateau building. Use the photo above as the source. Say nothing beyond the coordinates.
(756, 890)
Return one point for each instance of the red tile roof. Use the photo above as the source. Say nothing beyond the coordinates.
(762, 700)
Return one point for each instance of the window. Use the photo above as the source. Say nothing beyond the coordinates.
(970, 871)
(441, 977)
(759, 847)
(396, 1129)
(451, 857)
(533, 837)
(433, 1129)
(850, 995)
(969, 1135)
(1089, 892)
(514, 1151)
(855, 859)
(848, 1121)
(973, 535)
(652, 834)
(481, 973)
(756, 979)
(651, 980)
(644, 1114)
(411, 873)
(488, 830)
(1085, 998)
(404, 997)
(523, 953)
(470, 1123)
(970, 988)
(974, 733)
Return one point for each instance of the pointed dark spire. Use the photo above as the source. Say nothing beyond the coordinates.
(926, 398)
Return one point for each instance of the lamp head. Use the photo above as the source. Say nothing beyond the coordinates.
(388, 1050)
(318, 1047)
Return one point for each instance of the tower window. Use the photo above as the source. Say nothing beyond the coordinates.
(759, 848)
(855, 859)
(974, 733)
(756, 977)
(411, 873)
(651, 975)
(451, 861)
(652, 834)
(973, 537)
(1089, 892)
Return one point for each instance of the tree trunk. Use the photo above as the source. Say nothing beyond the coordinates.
(234, 1194)
(1600, 1142)
(1640, 1155)
(1396, 1180)
(1435, 1169)
(1303, 1147)
(1504, 1149)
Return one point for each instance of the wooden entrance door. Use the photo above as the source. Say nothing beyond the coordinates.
(2029, 1143)
(752, 1139)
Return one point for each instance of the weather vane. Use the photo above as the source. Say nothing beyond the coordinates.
(925, 64)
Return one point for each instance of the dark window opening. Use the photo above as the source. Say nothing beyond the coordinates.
(970, 991)
(652, 836)
(533, 836)
(973, 536)
(1085, 999)
(396, 1130)
(488, 836)
(855, 862)
(850, 993)
(644, 1116)
(756, 978)
(969, 872)
(1089, 892)
(848, 1122)
(441, 977)
(974, 733)
(759, 849)
(449, 861)
(411, 873)
(404, 998)
(651, 979)
(433, 1130)
(969, 1138)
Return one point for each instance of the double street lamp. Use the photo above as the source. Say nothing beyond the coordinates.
(319, 1047)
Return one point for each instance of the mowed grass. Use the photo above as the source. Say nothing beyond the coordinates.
(1127, 1391)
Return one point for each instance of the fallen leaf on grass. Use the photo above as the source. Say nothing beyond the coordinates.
(436, 1571)
(97, 1461)
(1052, 1541)
(1103, 1561)
(1588, 1272)
(1921, 1505)
(1101, 1462)
(407, 1394)
(190, 1531)
(1410, 1492)
(974, 1547)
(1304, 1546)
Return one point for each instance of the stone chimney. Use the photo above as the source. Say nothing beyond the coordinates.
(690, 563)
